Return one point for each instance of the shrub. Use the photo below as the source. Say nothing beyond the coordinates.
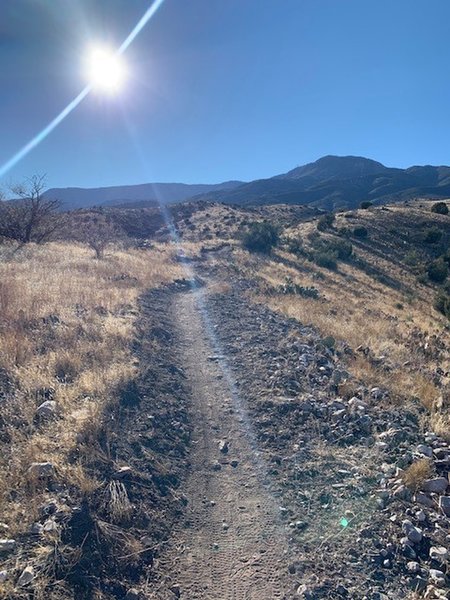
(432, 235)
(295, 246)
(416, 473)
(290, 287)
(366, 204)
(341, 248)
(440, 208)
(360, 232)
(261, 237)
(326, 260)
(437, 271)
(326, 221)
(442, 304)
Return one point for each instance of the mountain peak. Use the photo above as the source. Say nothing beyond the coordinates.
(337, 167)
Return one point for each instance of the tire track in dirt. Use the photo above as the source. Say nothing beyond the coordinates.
(230, 545)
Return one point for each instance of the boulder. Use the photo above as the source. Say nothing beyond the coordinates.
(439, 553)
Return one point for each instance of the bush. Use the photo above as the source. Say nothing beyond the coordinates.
(326, 260)
(295, 246)
(360, 232)
(326, 221)
(341, 248)
(437, 271)
(366, 204)
(260, 237)
(440, 208)
(432, 236)
(442, 304)
(290, 287)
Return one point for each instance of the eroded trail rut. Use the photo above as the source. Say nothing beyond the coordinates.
(229, 545)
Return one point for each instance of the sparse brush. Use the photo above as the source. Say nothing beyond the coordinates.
(417, 473)
(119, 505)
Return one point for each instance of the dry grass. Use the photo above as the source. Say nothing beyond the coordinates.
(417, 473)
(405, 335)
(66, 321)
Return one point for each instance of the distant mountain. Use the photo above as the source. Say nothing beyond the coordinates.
(150, 193)
(334, 182)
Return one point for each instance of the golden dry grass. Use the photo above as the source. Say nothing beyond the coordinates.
(417, 473)
(397, 323)
(66, 321)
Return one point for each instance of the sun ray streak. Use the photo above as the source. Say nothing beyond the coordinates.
(37, 139)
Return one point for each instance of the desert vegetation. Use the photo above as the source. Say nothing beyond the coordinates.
(66, 325)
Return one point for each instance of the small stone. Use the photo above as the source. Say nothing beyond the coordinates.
(414, 534)
(36, 528)
(47, 410)
(234, 463)
(39, 470)
(438, 577)
(444, 505)
(413, 566)
(122, 472)
(425, 450)
(225, 526)
(3, 576)
(439, 553)
(50, 526)
(423, 499)
(437, 485)
(421, 516)
(387, 564)
(224, 446)
(176, 590)
(216, 466)
(132, 594)
(7, 545)
(26, 577)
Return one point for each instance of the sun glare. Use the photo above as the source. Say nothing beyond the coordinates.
(106, 70)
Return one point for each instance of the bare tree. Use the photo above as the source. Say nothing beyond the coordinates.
(32, 217)
(98, 232)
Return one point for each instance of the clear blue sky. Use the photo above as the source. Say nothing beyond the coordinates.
(226, 89)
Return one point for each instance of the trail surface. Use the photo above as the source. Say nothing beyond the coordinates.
(230, 545)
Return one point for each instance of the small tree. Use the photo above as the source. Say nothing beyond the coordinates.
(440, 208)
(98, 232)
(32, 217)
(326, 221)
(260, 237)
(437, 271)
(366, 204)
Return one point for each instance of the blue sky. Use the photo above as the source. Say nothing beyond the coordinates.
(225, 89)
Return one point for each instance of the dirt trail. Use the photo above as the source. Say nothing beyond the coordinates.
(230, 545)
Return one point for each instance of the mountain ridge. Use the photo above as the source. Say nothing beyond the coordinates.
(330, 183)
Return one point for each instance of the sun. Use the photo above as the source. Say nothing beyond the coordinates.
(105, 70)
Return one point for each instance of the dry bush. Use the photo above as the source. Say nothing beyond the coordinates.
(417, 473)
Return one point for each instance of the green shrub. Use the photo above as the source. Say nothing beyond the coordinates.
(366, 204)
(341, 248)
(326, 260)
(440, 208)
(360, 232)
(432, 235)
(326, 221)
(260, 237)
(442, 304)
(290, 287)
(437, 271)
